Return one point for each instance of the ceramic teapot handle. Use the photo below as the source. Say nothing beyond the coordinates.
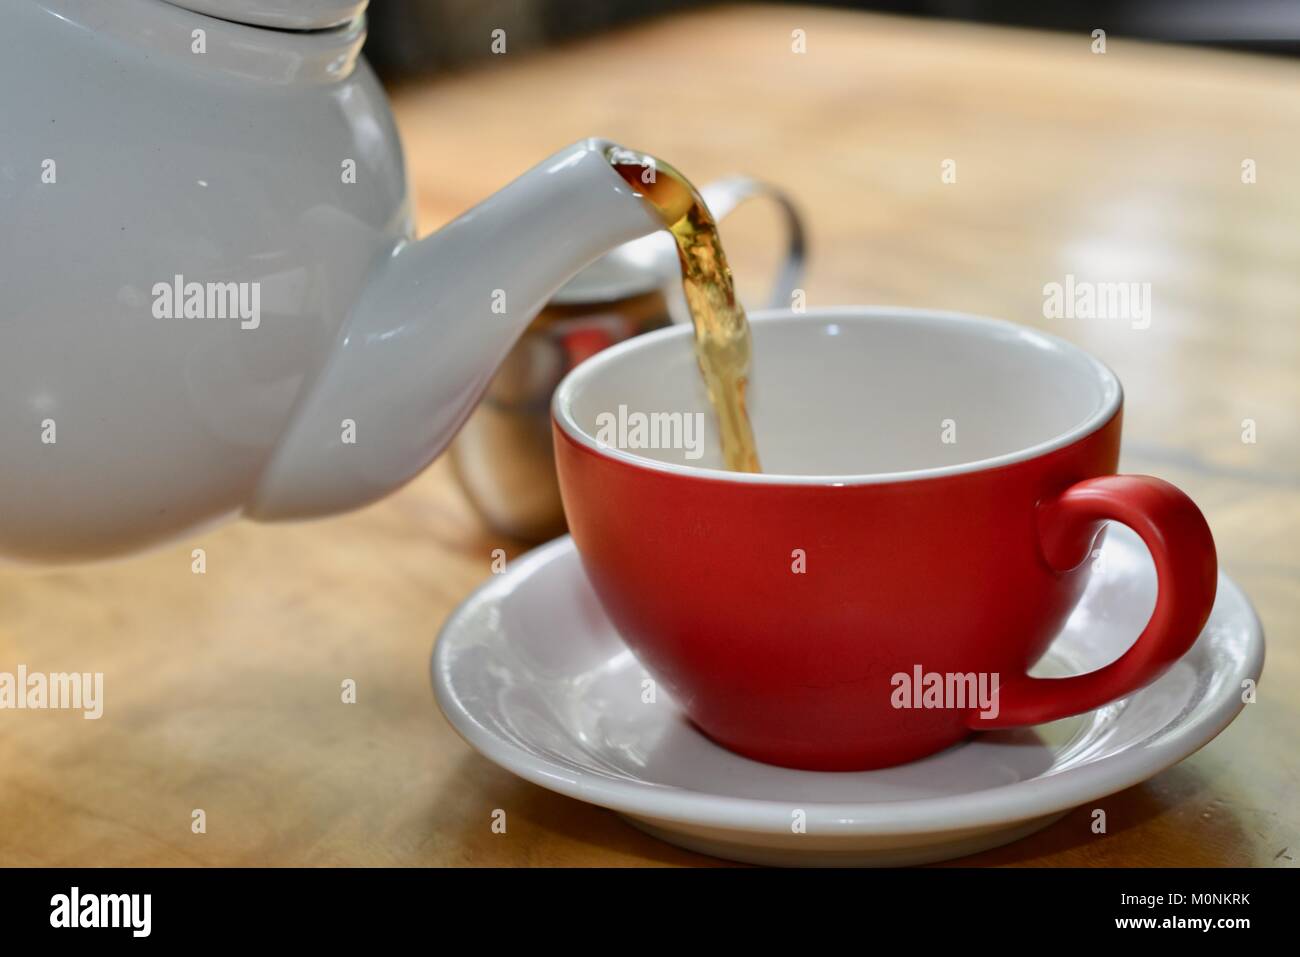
(724, 195)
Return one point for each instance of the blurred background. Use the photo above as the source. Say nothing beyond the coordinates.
(418, 36)
(1122, 159)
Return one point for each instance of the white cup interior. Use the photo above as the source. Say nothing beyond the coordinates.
(855, 395)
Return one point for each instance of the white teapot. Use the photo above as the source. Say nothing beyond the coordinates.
(211, 303)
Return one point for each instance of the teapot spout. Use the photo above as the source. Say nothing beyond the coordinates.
(437, 317)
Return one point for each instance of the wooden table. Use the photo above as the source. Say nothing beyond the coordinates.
(223, 690)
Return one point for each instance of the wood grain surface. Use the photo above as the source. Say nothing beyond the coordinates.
(222, 690)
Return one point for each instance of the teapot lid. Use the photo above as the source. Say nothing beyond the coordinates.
(279, 14)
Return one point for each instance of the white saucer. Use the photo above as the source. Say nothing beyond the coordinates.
(531, 673)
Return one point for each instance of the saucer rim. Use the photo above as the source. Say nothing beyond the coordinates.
(1016, 801)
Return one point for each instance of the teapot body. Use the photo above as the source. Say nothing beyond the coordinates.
(186, 220)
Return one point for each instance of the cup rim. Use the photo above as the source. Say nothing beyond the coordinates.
(562, 401)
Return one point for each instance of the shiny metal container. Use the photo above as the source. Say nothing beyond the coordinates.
(503, 455)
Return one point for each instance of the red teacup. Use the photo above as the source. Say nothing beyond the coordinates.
(934, 487)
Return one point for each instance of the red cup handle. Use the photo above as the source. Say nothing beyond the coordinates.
(1180, 543)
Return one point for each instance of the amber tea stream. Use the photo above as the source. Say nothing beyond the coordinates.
(722, 340)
